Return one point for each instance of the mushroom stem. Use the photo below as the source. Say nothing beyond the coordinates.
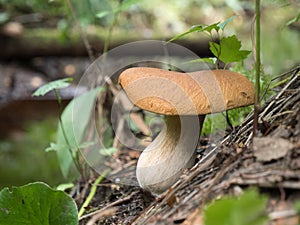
(163, 161)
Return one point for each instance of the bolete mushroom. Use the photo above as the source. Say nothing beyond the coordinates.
(185, 99)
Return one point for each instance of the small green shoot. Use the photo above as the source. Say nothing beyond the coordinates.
(92, 192)
(247, 209)
(52, 86)
(293, 20)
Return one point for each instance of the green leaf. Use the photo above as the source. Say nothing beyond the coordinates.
(293, 20)
(225, 22)
(212, 27)
(127, 3)
(108, 151)
(57, 84)
(211, 60)
(36, 204)
(195, 28)
(63, 187)
(75, 119)
(229, 50)
(103, 14)
(247, 209)
(215, 48)
(124, 6)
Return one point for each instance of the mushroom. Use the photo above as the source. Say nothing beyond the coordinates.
(185, 99)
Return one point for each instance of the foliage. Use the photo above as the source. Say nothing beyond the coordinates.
(227, 51)
(23, 159)
(57, 84)
(297, 207)
(124, 5)
(70, 136)
(38, 204)
(247, 209)
(293, 20)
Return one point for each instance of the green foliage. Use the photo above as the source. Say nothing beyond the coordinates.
(247, 209)
(108, 151)
(70, 136)
(23, 159)
(293, 20)
(297, 207)
(204, 28)
(38, 204)
(229, 50)
(124, 5)
(53, 85)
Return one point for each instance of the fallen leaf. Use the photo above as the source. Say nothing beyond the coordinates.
(270, 148)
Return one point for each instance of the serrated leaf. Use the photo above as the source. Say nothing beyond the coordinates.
(37, 204)
(229, 50)
(57, 84)
(75, 118)
(225, 22)
(247, 209)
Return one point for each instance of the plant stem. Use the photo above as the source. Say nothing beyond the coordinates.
(75, 158)
(257, 67)
(92, 192)
(82, 34)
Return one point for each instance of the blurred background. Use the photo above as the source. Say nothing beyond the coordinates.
(40, 41)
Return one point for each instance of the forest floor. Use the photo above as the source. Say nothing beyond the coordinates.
(270, 162)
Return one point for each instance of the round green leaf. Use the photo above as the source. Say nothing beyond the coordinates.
(36, 204)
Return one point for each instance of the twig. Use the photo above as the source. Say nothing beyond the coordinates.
(100, 215)
(127, 198)
(282, 214)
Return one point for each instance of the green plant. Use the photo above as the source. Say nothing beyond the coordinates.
(17, 156)
(38, 204)
(62, 134)
(247, 209)
(257, 67)
(228, 48)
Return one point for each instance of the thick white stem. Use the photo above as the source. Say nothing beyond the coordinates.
(162, 162)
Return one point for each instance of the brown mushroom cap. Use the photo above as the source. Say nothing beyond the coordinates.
(167, 92)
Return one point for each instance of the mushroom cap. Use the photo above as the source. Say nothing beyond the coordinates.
(196, 93)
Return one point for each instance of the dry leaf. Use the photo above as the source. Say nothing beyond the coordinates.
(269, 148)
